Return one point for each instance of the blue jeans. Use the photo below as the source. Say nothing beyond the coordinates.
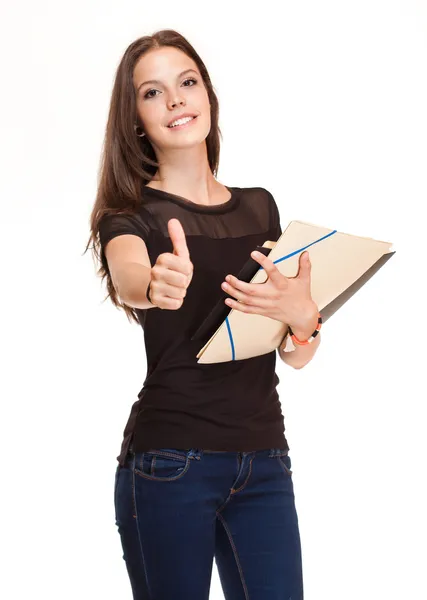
(176, 510)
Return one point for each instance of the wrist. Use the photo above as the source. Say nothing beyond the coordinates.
(304, 329)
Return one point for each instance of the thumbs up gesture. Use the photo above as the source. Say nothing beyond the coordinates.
(173, 272)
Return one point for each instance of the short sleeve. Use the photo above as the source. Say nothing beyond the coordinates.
(111, 226)
(274, 217)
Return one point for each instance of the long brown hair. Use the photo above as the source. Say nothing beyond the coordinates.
(127, 161)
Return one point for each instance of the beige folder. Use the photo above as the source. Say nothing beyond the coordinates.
(340, 265)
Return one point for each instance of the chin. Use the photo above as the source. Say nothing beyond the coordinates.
(192, 142)
(187, 139)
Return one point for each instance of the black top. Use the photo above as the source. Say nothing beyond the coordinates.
(183, 404)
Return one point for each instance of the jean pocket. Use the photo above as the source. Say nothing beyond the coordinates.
(286, 464)
(163, 464)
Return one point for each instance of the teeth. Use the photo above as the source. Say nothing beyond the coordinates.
(181, 121)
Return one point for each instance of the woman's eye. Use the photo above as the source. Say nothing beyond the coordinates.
(149, 92)
(185, 81)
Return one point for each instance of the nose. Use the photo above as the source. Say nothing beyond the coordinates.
(176, 101)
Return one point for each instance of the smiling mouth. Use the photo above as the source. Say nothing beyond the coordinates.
(182, 124)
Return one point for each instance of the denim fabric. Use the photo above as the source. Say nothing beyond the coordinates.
(178, 509)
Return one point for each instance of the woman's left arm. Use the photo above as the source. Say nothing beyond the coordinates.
(302, 355)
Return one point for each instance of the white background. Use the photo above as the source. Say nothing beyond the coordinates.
(322, 103)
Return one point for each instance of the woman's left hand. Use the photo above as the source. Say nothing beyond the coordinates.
(285, 299)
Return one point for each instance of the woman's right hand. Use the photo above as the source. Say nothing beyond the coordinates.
(173, 272)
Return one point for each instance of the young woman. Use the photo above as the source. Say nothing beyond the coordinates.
(204, 469)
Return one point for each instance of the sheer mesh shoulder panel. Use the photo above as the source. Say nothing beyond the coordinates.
(251, 211)
(274, 216)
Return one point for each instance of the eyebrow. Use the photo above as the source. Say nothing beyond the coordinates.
(157, 81)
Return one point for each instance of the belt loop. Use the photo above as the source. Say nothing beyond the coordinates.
(194, 453)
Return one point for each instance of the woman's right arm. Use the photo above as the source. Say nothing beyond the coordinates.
(130, 269)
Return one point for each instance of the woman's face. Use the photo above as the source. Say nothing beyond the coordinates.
(174, 93)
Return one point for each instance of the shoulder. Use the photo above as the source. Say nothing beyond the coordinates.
(255, 191)
(120, 222)
(258, 193)
(260, 196)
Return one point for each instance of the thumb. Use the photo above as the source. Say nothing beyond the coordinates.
(177, 236)
(304, 264)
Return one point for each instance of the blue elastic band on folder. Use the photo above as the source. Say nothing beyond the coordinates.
(230, 335)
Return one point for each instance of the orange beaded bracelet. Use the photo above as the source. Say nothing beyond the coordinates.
(313, 335)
